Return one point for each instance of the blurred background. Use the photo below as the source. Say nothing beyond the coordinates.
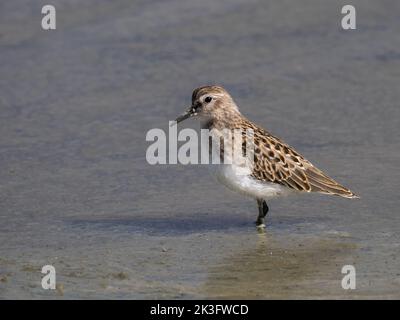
(76, 191)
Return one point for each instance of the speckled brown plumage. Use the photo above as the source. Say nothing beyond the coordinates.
(275, 161)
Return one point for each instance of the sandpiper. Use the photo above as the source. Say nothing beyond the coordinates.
(277, 169)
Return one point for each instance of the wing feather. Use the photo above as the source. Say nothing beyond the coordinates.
(275, 161)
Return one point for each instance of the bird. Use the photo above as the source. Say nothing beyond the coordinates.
(276, 169)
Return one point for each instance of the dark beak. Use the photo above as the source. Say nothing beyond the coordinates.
(187, 114)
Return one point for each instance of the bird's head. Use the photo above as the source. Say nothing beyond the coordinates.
(209, 103)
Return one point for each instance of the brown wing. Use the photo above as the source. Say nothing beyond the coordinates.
(277, 162)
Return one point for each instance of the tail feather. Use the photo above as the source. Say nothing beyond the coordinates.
(320, 182)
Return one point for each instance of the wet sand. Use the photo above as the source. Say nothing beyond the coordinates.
(76, 191)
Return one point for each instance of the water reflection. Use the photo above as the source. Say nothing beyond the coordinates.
(279, 267)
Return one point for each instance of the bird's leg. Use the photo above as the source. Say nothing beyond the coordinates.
(265, 208)
(262, 212)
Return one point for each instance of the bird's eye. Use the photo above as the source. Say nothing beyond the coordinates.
(207, 99)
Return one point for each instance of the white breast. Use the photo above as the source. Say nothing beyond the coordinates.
(233, 178)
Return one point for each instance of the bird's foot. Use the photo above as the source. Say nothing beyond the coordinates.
(260, 223)
(261, 226)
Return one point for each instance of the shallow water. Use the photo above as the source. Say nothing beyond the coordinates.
(76, 191)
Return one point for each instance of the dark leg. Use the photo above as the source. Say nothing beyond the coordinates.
(262, 212)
